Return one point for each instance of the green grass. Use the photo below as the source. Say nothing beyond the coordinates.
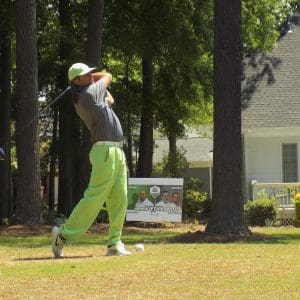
(254, 269)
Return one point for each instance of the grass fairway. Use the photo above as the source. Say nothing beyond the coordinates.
(264, 268)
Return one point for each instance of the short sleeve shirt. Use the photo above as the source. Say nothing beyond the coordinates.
(96, 113)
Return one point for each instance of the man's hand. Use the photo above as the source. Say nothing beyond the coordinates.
(109, 99)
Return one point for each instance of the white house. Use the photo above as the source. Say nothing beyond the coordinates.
(198, 154)
(270, 124)
(271, 118)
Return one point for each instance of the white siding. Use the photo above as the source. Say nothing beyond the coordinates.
(263, 159)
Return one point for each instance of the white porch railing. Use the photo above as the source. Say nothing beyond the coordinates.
(283, 192)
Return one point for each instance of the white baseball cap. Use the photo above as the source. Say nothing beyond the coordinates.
(78, 69)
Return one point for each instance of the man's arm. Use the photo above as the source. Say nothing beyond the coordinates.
(105, 76)
(110, 100)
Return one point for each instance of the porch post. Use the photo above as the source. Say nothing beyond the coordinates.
(254, 189)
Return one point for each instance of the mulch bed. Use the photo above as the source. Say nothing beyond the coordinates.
(20, 230)
(184, 234)
(203, 237)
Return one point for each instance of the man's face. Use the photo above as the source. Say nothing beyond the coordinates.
(84, 80)
(143, 195)
(165, 197)
(175, 198)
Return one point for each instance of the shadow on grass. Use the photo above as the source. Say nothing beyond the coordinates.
(51, 258)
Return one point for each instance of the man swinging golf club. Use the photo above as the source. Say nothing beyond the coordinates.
(108, 181)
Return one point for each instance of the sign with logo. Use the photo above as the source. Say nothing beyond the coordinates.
(155, 199)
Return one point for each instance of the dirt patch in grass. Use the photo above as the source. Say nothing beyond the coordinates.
(20, 230)
(187, 233)
(132, 227)
(202, 237)
(135, 227)
(139, 227)
(39, 229)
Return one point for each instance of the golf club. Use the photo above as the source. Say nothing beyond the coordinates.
(2, 153)
(46, 107)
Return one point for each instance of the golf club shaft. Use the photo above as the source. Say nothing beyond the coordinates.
(46, 107)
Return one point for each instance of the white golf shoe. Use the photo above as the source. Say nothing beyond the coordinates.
(57, 243)
(117, 249)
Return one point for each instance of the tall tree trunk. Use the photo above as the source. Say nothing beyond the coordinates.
(94, 38)
(67, 115)
(146, 134)
(28, 204)
(53, 159)
(5, 100)
(129, 147)
(227, 206)
(172, 154)
(93, 55)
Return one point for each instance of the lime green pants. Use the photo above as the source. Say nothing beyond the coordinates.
(108, 183)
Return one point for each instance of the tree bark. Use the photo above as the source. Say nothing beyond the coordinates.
(5, 100)
(146, 133)
(129, 147)
(67, 116)
(53, 160)
(28, 205)
(94, 38)
(227, 206)
(93, 55)
(172, 154)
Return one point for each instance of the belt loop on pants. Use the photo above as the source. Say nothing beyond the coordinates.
(108, 143)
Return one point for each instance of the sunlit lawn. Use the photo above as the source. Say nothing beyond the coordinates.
(267, 269)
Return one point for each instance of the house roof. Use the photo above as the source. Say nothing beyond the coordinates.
(197, 149)
(271, 90)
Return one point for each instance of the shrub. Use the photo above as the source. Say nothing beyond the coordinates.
(50, 217)
(171, 166)
(297, 210)
(261, 212)
(195, 202)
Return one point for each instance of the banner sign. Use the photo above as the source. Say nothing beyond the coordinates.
(155, 199)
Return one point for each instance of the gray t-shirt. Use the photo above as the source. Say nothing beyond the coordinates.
(98, 116)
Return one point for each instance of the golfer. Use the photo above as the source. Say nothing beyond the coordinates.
(108, 182)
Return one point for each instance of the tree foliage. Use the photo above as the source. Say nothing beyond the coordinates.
(261, 22)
